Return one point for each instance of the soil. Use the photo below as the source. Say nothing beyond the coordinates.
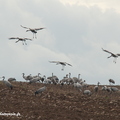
(57, 103)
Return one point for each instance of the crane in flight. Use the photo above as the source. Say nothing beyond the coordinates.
(20, 39)
(112, 55)
(61, 63)
(33, 30)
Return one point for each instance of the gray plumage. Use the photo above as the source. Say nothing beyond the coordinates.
(96, 87)
(34, 80)
(87, 92)
(77, 85)
(29, 77)
(7, 83)
(40, 90)
(109, 89)
(104, 88)
(11, 79)
(114, 89)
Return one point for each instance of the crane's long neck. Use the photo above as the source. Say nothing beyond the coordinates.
(44, 77)
(52, 74)
(24, 76)
(38, 74)
(78, 76)
(69, 75)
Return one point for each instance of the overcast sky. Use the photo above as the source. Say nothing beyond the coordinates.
(76, 30)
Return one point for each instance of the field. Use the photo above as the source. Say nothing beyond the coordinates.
(57, 103)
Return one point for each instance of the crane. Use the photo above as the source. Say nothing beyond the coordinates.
(7, 83)
(33, 30)
(112, 55)
(20, 39)
(61, 63)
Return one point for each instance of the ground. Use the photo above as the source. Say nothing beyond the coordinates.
(57, 103)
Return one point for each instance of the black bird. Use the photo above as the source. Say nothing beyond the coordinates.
(33, 30)
(62, 63)
(112, 55)
(20, 39)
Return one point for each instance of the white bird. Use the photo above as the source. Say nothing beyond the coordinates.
(40, 90)
(21, 39)
(112, 55)
(7, 83)
(33, 30)
(62, 63)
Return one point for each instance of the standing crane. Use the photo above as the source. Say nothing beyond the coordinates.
(33, 30)
(61, 63)
(20, 39)
(29, 77)
(112, 55)
(7, 83)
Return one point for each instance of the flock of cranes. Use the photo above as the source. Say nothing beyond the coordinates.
(33, 30)
(34, 79)
(77, 83)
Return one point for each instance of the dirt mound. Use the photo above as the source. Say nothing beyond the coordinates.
(56, 103)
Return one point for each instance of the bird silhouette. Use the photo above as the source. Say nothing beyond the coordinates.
(33, 30)
(20, 39)
(61, 63)
(112, 55)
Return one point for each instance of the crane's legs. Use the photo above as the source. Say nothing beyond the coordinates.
(35, 36)
(110, 56)
(115, 60)
(62, 67)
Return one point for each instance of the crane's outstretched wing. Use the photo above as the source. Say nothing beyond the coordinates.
(107, 51)
(24, 27)
(68, 64)
(118, 54)
(13, 38)
(38, 29)
(27, 39)
(54, 61)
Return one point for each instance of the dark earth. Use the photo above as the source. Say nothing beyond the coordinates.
(57, 103)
